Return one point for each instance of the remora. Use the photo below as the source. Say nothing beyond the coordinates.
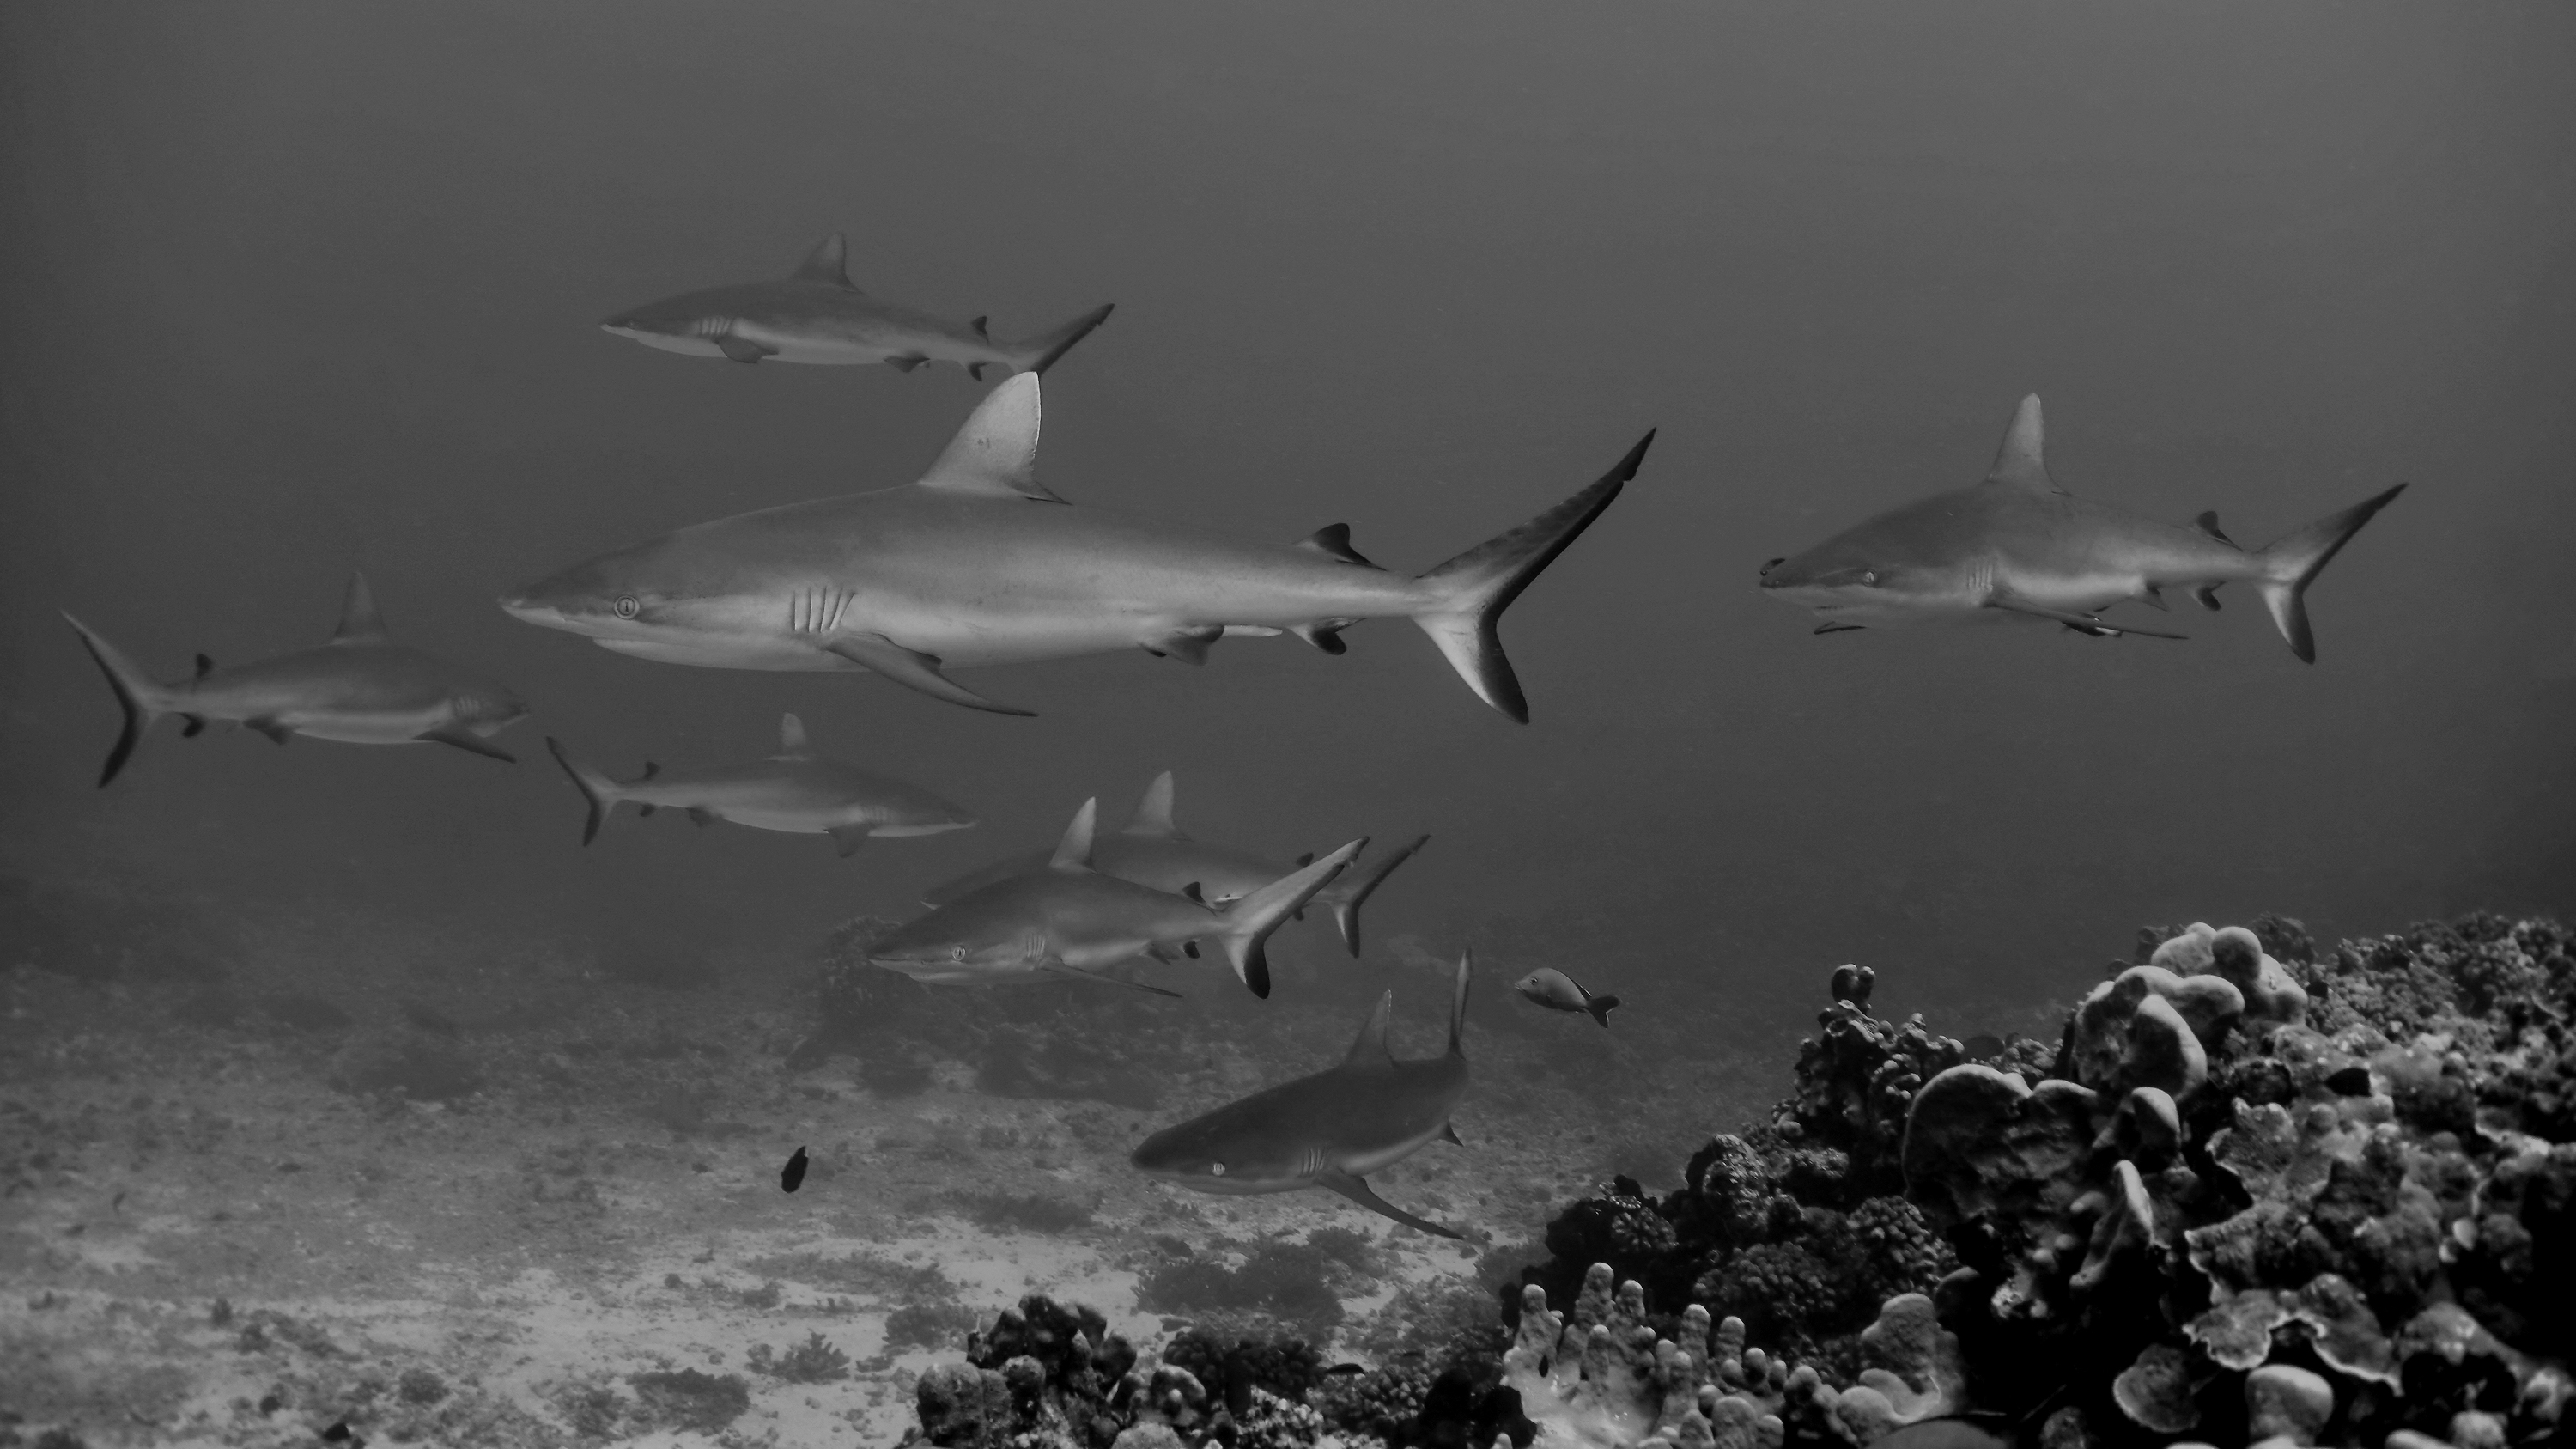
(793, 791)
(977, 564)
(1152, 851)
(361, 688)
(1329, 1130)
(1069, 919)
(815, 315)
(2017, 544)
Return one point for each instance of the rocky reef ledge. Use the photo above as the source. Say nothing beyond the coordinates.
(2248, 1197)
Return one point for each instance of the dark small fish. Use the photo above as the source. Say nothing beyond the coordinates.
(430, 1019)
(1346, 1368)
(1852, 984)
(792, 1176)
(1984, 1046)
(338, 1433)
(1557, 991)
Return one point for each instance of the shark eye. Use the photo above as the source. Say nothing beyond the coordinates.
(628, 606)
(1216, 1169)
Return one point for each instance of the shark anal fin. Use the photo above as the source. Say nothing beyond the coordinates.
(2080, 623)
(702, 817)
(642, 809)
(196, 726)
(1333, 540)
(978, 325)
(914, 669)
(743, 349)
(1190, 949)
(2207, 596)
(848, 838)
(205, 666)
(1058, 968)
(975, 370)
(1838, 628)
(1449, 1134)
(470, 743)
(1195, 892)
(274, 729)
(906, 362)
(1188, 645)
(1324, 636)
(1358, 1192)
(2154, 598)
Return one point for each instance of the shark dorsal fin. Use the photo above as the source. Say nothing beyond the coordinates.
(996, 453)
(2018, 463)
(1333, 540)
(1371, 1048)
(791, 739)
(828, 262)
(1074, 851)
(359, 621)
(1154, 812)
(1458, 1004)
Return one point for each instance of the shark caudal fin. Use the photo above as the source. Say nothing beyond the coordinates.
(599, 791)
(1475, 587)
(2292, 562)
(1244, 927)
(1041, 352)
(142, 700)
(1458, 1004)
(1344, 897)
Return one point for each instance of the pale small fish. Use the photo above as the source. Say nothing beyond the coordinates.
(1328, 1130)
(1556, 991)
(360, 689)
(2019, 546)
(979, 564)
(814, 315)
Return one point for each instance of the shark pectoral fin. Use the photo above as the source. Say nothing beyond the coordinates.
(1838, 628)
(1188, 645)
(467, 741)
(273, 729)
(196, 726)
(848, 838)
(906, 362)
(912, 668)
(2080, 623)
(1449, 1134)
(2207, 596)
(743, 349)
(702, 817)
(1190, 949)
(1058, 968)
(1358, 1192)
(1326, 637)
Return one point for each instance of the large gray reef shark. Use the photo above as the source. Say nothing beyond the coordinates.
(1152, 851)
(792, 791)
(1072, 920)
(361, 688)
(1329, 1130)
(977, 563)
(2017, 545)
(815, 315)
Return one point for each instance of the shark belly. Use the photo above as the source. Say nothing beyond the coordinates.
(368, 729)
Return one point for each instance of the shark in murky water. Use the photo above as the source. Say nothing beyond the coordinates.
(361, 688)
(815, 315)
(1072, 920)
(793, 791)
(977, 563)
(1152, 851)
(1329, 1130)
(2017, 545)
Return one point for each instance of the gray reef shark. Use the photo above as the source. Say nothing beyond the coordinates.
(1072, 920)
(2019, 545)
(791, 791)
(1152, 851)
(1329, 1130)
(977, 564)
(361, 688)
(815, 315)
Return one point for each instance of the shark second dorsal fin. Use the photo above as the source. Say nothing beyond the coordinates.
(791, 739)
(2208, 524)
(359, 621)
(1458, 1004)
(996, 453)
(2018, 463)
(1154, 812)
(1333, 540)
(1371, 1049)
(828, 262)
(1074, 851)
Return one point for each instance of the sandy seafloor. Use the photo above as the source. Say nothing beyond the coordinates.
(599, 1198)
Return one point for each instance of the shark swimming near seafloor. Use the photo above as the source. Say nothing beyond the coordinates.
(1153, 851)
(2017, 545)
(814, 315)
(1328, 1130)
(361, 688)
(977, 563)
(795, 791)
(1070, 920)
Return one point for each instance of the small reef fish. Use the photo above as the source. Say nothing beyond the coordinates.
(1556, 991)
(1152, 851)
(815, 315)
(792, 1176)
(1329, 1130)
(1072, 920)
(2019, 545)
(361, 689)
(978, 564)
(791, 791)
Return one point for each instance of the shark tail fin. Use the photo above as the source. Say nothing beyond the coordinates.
(1041, 352)
(1244, 927)
(2293, 561)
(597, 790)
(1473, 589)
(1344, 897)
(142, 700)
(1458, 1004)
